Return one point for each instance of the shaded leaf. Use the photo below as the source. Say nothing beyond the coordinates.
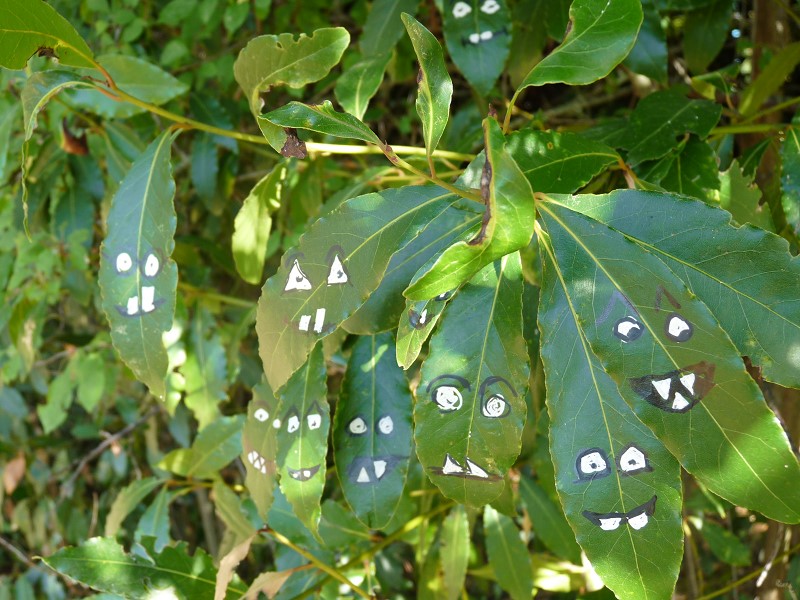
(213, 448)
(260, 447)
(359, 83)
(693, 171)
(38, 90)
(127, 500)
(155, 520)
(770, 80)
(548, 520)
(454, 551)
(229, 509)
(704, 33)
(138, 279)
(383, 27)
(322, 118)
(268, 583)
(470, 405)
(790, 175)
(724, 544)
(508, 555)
(740, 196)
(649, 54)
(205, 370)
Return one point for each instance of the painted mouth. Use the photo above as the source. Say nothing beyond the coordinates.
(369, 470)
(261, 463)
(148, 304)
(452, 468)
(314, 322)
(676, 391)
(303, 474)
(636, 518)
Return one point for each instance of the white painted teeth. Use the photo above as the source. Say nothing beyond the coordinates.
(679, 403)
(258, 461)
(610, 524)
(133, 305)
(148, 297)
(319, 321)
(663, 387)
(688, 382)
(475, 470)
(638, 521)
(380, 468)
(363, 476)
(451, 466)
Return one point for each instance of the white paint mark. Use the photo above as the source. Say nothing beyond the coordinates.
(293, 424)
(363, 476)
(662, 387)
(307, 473)
(594, 462)
(486, 35)
(133, 305)
(261, 415)
(305, 320)
(490, 7)
(475, 38)
(632, 459)
(386, 425)
(148, 298)
(314, 421)
(276, 423)
(319, 320)
(451, 466)
(610, 524)
(124, 262)
(475, 470)
(258, 461)
(337, 274)
(678, 328)
(495, 407)
(638, 521)
(423, 316)
(626, 330)
(679, 403)
(151, 266)
(297, 280)
(688, 382)
(448, 398)
(461, 10)
(380, 468)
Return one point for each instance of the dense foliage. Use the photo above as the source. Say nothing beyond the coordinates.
(397, 298)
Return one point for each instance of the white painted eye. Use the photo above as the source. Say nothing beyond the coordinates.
(261, 414)
(632, 460)
(628, 329)
(337, 274)
(386, 425)
(638, 521)
(357, 426)
(678, 328)
(297, 280)
(490, 7)
(461, 9)
(293, 424)
(593, 462)
(276, 423)
(474, 37)
(610, 524)
(124, 262)
(314, 420)
(151, 265)
(495, 407)
(447, 398)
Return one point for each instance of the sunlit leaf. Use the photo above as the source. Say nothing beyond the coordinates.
(359, 83)
(508, 555)
(155, 520)
(454, 552)
(322, 118)
(260, 446)
(205, 370)
(40, 88)
(127, 500)
(740, 196)
(213, 448)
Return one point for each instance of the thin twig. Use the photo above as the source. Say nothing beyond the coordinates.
(17, 553)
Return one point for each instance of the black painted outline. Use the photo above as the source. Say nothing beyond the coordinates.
(597, 474)
(645, 469)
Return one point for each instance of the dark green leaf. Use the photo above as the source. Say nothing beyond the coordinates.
(770, 80)
(724, 544)
(155, 520)
(229, 509)
(383, 27)
(508, 555)
(790, 175)
(693, 171)
(470, 401)
(454, 551)
(213, 448)
(138, 279)
(649, 55)
(127, 500)
(679, 362)
(270, 60)
(435, 87)
(704, 33)
(547, 520)
(322, 118)
(260, 446)
(372, 431)
(478, 37)
(303, 438)
(507, 224)
(359, 83)
(740, 196)
(205, 167)
(308, 298)
(38, 90)
(529, 35)
(28, 27)
(205, 370)
(601, 36)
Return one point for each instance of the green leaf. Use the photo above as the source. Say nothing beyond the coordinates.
(649, 54)
(372, 431)
(383, 27)
(138, 279)
(478, 37)
(740, 196)
(303, 439)
(39, 89)
(745, 277)
(454, 551)
(548, 521)
(591, 430)
(155, 520)
(681, 361)
(470, 405)
(91, 377)
(435, 87)
(770, 80)
(205, 370)
(507, 224)
(693, 171)
(559, 162)
(205, 168)
(103, 565)
(724, 544)
(308, 298)
(322, 118)
(660, 118)
(359, 83)
(270, 60)
(253, 223)
(213, 448)
(508, 555)
(28, 27)
(601, 36)
(790, 175)
(704, 34)
(229, 509)
(260, 447)
(60, 394)
(127, 501)
(139, 78)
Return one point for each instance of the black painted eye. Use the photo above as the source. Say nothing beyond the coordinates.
(124, 262)
(418, 320)
(493, 402)
(386, 425)
(292, 421)
(151, 265)
(337, 274)
(628, 329)
(314, 416)
(632, 460)
(677, 328)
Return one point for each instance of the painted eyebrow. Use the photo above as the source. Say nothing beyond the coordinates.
(495, 379)
(661, 291)
(464, 383)
(290, 258)
(336, 249)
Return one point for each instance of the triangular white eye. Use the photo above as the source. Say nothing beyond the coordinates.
(337, 274)
(297, 280)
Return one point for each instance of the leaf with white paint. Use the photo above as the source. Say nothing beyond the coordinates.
(508, 555)
(138, 279)
(470, 405)
(260, 447)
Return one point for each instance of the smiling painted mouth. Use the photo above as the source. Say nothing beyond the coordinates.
(303, 474)
(637, 517)
(261, 463)
(452, 468)
(676, 391)
(368, 469)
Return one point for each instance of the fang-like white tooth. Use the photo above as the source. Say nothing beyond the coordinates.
(295, 474)
(610, 524)
(148, 298)
(475, 470)
(451, 466)
(307, 473)
(319, 320)
(252, 457)
(679, 403)
(305, 320)
(662, 387)
(363, 476)
(688, 382)
(264, 470)
(380, 468)
(133, 305)
(638, 521)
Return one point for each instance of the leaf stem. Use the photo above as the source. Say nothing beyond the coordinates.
(509, 110)
(193, 291)
(395, 160)
(745, 128)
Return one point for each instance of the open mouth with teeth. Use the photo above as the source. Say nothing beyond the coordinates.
(637, 517)
(368, 469)
(314, 322)
(261, 463)
(452, 468)
(302, 474)
(676, 391)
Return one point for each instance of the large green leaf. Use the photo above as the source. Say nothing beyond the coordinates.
(38, 90)
(478, 37)
(594, 436)
(705, 32)
(270, 60)
(508, 555)
(547, 520)
(454, 551)
(138, 279)
(212, 449)
(601, 36)
(205, 370)
(322, 118)
(677, 360)
(28, 27)
(435, 87)
(746, 276)
(770, 80)
(260, 447)
(303, 428)
(507, 225)
(383, 27)
(359, 83)
(337, 264)
(372, 431)
(470, 405)
(649, 54)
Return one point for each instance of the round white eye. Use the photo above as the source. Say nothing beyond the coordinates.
(293, 424)
(386, 425)
(447, 398)
(357, 426)
(678, 328)
(151, 265)
(124, 262)
(276, 423)
(632, 460)
(314, 421)
(461, 9)
(261, 414)
(592, 463)
(495, 407)
(490, 7)
(628, 329)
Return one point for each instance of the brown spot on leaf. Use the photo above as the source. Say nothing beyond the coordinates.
(46, 52)
(420, 76)
(294, 147)
(73, 144)
(492, 112)
(486, 190)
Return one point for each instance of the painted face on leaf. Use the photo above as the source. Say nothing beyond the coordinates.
(291, 424)
(261, 463)
(142, 270)
(371, 469)
(478, 21)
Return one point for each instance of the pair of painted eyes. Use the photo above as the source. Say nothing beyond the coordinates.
(594, 463)
(462, 9)
(358, 426)
(150, 268)
(448, 398)
(313, 418)
(676, 328)
(298, 280)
